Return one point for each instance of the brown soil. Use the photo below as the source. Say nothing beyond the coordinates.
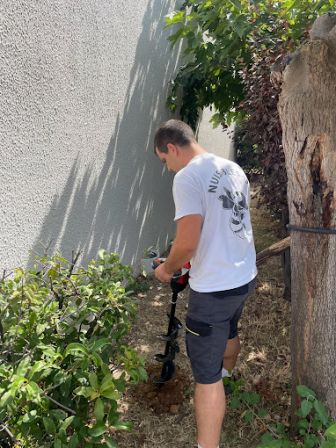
(165, 398)
(164, 417)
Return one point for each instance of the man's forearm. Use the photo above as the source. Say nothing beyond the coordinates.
(188, 231)
(179, 255)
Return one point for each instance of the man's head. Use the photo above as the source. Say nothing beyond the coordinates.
(171, 143)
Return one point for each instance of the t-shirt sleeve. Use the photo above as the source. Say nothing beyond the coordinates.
(187, 197)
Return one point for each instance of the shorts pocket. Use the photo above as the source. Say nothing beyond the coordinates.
(198, 328)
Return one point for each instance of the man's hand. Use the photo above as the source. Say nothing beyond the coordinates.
(188, 233)
(162, 275)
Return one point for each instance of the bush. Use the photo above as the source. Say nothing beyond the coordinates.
(246, 151)
(312, 428)
(64, 361)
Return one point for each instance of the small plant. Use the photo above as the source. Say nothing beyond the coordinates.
(314, 426)
(63, 358)
(248, 402)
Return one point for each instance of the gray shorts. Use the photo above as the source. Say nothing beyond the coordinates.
(212, 319)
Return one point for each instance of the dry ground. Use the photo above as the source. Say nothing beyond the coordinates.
(263, 363)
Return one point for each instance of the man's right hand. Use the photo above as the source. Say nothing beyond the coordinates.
(162, 275)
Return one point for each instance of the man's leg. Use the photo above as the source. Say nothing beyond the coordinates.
(232, 348)
(231, 353)
(209, 410)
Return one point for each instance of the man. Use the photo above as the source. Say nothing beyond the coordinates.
(214, 232)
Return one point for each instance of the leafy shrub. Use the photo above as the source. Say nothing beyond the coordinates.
(312, 429)
(262, 128)
(219, 39)
(63, 360)
(246, 151)
(230, 46)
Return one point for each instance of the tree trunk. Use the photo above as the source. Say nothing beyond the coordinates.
(307, 108)
(285, 258)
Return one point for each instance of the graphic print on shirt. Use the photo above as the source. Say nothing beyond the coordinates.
(236, 202)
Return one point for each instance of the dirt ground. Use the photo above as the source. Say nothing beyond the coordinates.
(163, 416)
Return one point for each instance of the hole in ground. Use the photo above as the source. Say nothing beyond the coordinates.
(165, 398)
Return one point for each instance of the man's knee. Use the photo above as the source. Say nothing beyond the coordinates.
(208, 388)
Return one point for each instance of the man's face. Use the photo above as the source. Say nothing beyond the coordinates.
(170, 159)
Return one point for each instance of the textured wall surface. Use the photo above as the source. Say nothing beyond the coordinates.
(82, 88)
(215, 140)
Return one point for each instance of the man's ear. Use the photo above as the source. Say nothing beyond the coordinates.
(173, 149)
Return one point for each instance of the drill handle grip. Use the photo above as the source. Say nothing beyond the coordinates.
(179, 279)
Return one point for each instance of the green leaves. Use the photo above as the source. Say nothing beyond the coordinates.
(236, 30)
(262, 413)
(235, 403)
(327, 444)
(75, 348)
(62, 329)
(98, 430)
(122, 425)
(176, 17)
(306, 407)
(313, 420)
(18, 275)
(93, 380)
(250, 398)
(99, 410)
(49, 425)
(74, 440)
(6, 398)
(305, 392)
(331, 432)
(110, 443)
(321, 412)
(248, 416)
(110, 393)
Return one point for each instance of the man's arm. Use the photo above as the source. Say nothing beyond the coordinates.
(188, 232)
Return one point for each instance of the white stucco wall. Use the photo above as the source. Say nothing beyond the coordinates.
(82, 88)
(215, 140)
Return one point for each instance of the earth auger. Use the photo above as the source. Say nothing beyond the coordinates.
(178, 283)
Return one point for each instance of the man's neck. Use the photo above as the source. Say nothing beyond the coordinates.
(193, 150)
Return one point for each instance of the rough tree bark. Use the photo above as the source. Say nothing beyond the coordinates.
(307, 108)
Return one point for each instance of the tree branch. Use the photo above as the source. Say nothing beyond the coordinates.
(2, 336)
(58, 297)
(5, 275)
(74, 261)
(7, 431)
(274, 249)
(60, 405)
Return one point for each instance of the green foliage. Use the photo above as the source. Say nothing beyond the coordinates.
(64, 361)
(247, 402)
(246, 151)
(314, 426)
(219, 38)
(230, 46)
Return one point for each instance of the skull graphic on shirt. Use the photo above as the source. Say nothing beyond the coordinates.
(236, 202)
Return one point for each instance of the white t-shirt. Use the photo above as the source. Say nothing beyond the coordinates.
(218, 190)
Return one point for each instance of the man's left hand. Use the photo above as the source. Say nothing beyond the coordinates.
(162, 275)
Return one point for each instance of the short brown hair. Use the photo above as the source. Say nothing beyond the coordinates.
(173, 131)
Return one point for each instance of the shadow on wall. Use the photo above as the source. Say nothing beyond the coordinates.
(120, 209)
